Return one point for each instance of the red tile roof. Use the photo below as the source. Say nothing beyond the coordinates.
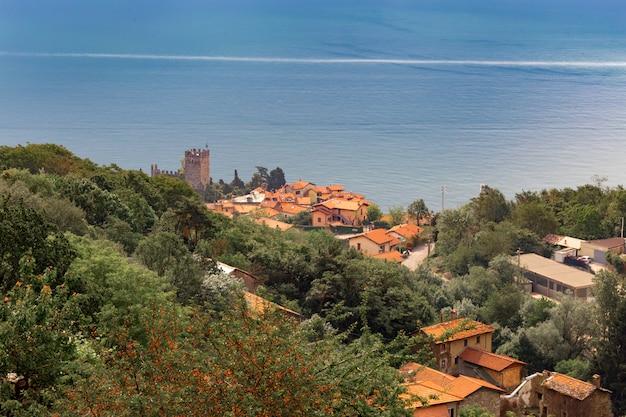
(440, 410)
(461, 386)
(391, 256)
(466, 385)
(436, 394)
(489, 360)
(569, 386)
(457, 329)
(418, 373)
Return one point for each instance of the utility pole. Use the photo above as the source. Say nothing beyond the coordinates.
(443, 190)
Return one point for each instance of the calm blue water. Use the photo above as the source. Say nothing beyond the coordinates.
(391, 99)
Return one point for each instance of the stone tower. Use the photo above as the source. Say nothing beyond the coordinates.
(197, 169)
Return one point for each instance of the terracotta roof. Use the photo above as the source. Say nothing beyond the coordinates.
(340, 204)
(335, 187)
(457, 329)
(466, 385)
(260, 305)
(274, 224)
(436, 394)
(418, 373)
(380, 236)
(552, 239)
(290, 208)
(489, 360)
(569, 386)
(440, 410)
(391, 256)
(298, 185)
(406, 230)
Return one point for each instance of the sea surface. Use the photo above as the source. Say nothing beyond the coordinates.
(397, 100)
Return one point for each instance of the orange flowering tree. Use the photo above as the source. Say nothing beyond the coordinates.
(168, 362)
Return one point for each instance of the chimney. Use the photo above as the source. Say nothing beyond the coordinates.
(595, 380)
(452, 314)
(441, 317)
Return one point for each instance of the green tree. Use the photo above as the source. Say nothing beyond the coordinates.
(396, 214)
(237, 182)
(490, 205)
(37, 345)
(417, 210)
(374, 213)
(582, 221)
(25, 233)
(536, 217)
(474, 410)
(276, 179)
(611, 343)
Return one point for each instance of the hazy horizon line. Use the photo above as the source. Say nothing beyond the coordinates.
(406, 61)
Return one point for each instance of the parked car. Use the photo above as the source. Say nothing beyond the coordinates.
(585, 259)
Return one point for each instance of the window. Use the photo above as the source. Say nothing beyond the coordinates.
(358, 246)
(456, 360)
(381, 249)
(444, 347)
(442, 365)
(477, 339)
(465, 342)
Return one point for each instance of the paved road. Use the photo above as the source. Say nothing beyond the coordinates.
(417, 256)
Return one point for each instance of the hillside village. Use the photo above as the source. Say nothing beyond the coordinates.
(134, 275)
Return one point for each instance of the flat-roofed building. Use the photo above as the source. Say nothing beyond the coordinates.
(551, 278)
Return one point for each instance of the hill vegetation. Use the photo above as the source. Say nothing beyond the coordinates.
(111, 306)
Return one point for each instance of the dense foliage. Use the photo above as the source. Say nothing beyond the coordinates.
(113, 303)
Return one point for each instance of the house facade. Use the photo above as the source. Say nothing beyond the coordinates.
(339, 211)
(503, 371)
(377, 241)
(553, 394)
(450, 338)
(470, 391)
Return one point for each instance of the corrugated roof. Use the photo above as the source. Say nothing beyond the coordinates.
(457, 329)
(489, 360)
(570, 276)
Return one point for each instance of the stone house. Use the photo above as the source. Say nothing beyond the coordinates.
(471, 391)
(502, 371)
(553, 394)
(450, 338)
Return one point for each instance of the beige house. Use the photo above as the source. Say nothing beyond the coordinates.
(450, 338)
(375, 242)
(502, 371)
(340, 211)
